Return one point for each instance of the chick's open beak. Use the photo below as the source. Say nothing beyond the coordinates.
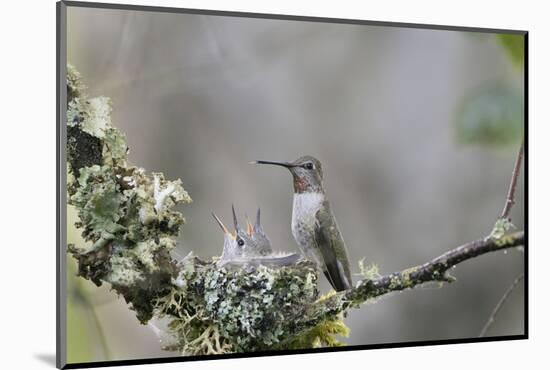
(224, 229)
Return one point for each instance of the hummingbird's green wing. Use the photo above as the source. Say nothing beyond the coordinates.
(332, 248)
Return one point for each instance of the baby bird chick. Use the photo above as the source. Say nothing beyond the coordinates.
(250, 246)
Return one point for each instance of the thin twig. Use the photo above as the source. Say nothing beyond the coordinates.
(499, 305)
(510, 201)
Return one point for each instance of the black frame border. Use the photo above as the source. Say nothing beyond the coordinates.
(61, 106)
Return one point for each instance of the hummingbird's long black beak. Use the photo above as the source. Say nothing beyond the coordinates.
(283, 164)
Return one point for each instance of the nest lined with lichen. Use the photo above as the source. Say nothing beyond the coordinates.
(127, 218)
(215, 310)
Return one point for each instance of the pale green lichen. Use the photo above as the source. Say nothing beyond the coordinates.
(246, 310)
(111, 198)
(501, 227)
(100, 204)
(405, 279)
(499, 234)
(115, 149)
(146, 252)
(368, 272)
(93, 115)
(74, 83)
(124, 271)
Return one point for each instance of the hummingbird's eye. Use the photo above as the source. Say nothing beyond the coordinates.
(308, 166)
(240, 242)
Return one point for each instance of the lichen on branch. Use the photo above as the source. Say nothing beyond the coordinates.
(436, 270)
(130, 237)
(239, 310)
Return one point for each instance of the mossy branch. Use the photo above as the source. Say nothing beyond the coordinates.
(436, 270)
(126, 215)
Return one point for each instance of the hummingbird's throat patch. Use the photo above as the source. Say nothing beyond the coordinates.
(301, 185)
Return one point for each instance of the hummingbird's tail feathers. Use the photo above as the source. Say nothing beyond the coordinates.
(344, 275)
(336, 277)
(333, 267)
(330, 244)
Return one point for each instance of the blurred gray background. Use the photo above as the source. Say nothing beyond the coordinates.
(200, 96)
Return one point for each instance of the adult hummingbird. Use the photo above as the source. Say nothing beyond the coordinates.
(313, 225)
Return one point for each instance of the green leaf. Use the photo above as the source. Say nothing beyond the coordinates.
(514, 46)
(492, 116)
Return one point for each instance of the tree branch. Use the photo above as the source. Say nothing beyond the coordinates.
(435, 270)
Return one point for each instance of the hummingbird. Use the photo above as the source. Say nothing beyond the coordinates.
(250, 246)
(313, 224)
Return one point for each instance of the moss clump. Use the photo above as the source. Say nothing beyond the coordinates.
(498, 234)
(323, 334)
